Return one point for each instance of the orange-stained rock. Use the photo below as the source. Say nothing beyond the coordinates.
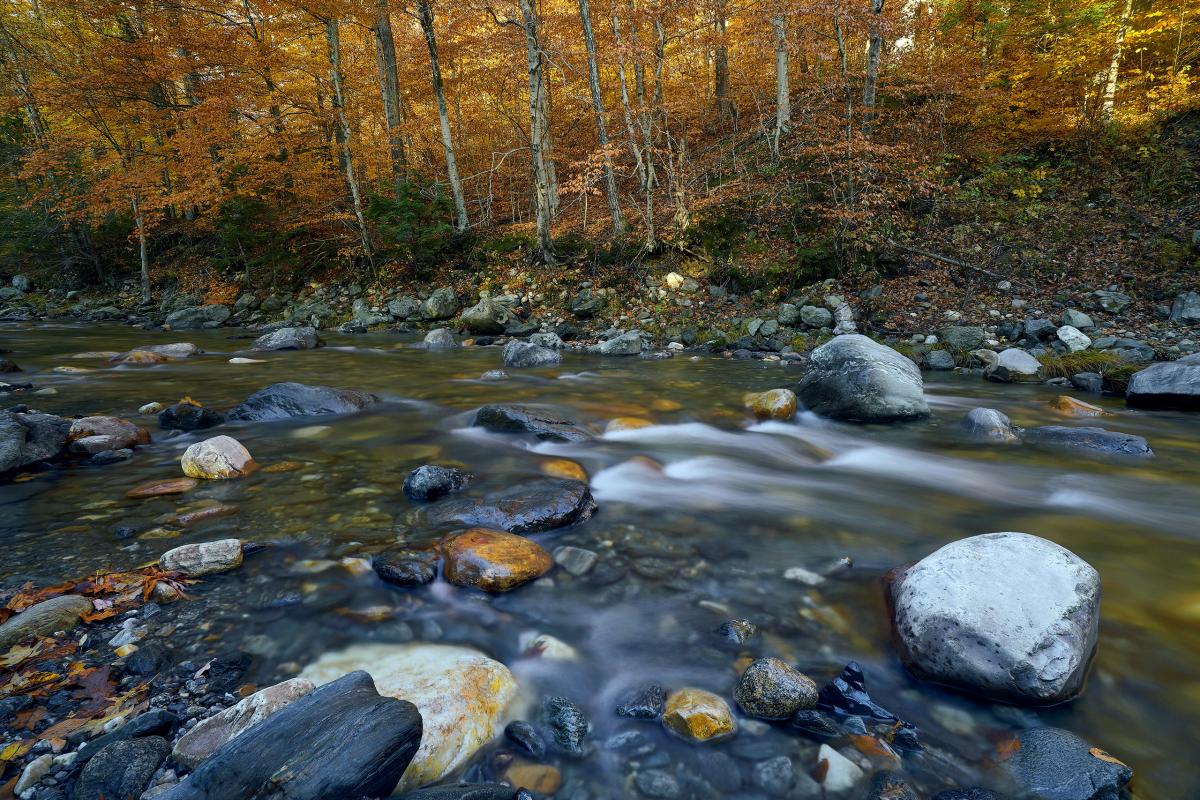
(284, 466)
(698, 715)
(494, 561)
(627, 424)
(663, 404)
(777, 404)
(1076, 408)
(539, 778)
(564, 468)
(122, 432)
(162, 487)
(143, 357)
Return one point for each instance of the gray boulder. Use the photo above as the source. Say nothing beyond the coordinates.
(431, 482)
(1098, 440)
(1053, 764)
(1088, 382)
(1009, 616)
(442, 304)
(525, 355)
(440, 339)
(1073, 339)
(1167, 384)
(626, 344)
(1014, 366)
(1077, 319)
(1186, 309)
(1039, 330)
(1112, 302)
(962, 337)
(521, 419)
(1131, 351)
(122, 769)
(488, 317)
(42, 619)
(988, 423)
(211, 316)
(31, 438)
(404, 307)
(585, 305)
(537, 505)
(283, 400)
(854, 378)
(939, 360)
(20, 283)
(299, 338)
(816, 317)
(550, 339)
(788, 314)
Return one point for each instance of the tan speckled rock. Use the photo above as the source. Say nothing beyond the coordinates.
(698, 715)
(779, 404)
(218, 458)
(203, 558)
(56, 614)
(203, 740)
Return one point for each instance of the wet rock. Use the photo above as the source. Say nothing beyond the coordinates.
(141, 357)
(629, 343)
(856, 379)
(737, 631)
(1169, 384)
(778, 404)
(537, 505)
(526, 355)
(342, 739)
(541, 779)
(210, 734)
(889, 786)
(299, 338)
(1076, 408)
(118, 433)
(963, 619)
(526, 738)
(493, 561)
(407, 569)
(1186, 309)
(841, 774)
(1073, 339)
(521, 419)
(440, 339)
(187, 416)
(467, 791)
(657, 783)
(643, 702)
(698, 715)
(1088, 382)
(284, 400)
(42, 619)
(815, 725)
(8, 366)
(441, 304)
(772, 689)
(973, 793)
(575, 560)
(847, 694)
(122, 769)
(218, 458)
(1014, 366)
(29, 439)
(462, 695)
(489, 317)
(211, 316)
(775, 776)
(988, 423)
(1096, 440)
(159, 722)
(568, 725)
(431, 482)
(1053, 764)
(203, 558)
(626, 424)
(147, 660)
(162, 488)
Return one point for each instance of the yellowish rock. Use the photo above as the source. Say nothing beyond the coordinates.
(627, 424)
(218, 458)
(698, 715)
(539, 778)
(663, 404)
(1066, 404)
(125, 650)
(564, 468)
(143, 357)
(778, 404)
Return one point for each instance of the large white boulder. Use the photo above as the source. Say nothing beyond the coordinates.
(855, 378)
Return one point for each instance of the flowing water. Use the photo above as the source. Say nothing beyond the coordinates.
(703, 539)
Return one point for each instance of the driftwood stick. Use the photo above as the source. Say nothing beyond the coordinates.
(954, 262)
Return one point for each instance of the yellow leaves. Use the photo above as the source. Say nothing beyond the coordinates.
(1096, 752)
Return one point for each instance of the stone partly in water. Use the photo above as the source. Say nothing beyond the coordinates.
(772, 689)
(778, 404)
(28, 439)
(698, 715)
(406, 568)
(42, 619)
(162, 488)
(440, 339)
(1053, 764)
(467, 791)
(188, 416)
(988, 423)
(1076, 408)
(1009, 616)
(118, 433)
(521, 419)
(626, 424)
(462, 695)
(526, 355)
(300, 338)
(341, 740)
(284, 400)
(629, 343)
(537, 505)
(488, 317)
(1092, 440)
(568, 725)
(210, 734)
(212, 316)
(493, 561)
(431, 482)
(203, 558)
(1169, 384)
(142, 357)
(123, 769)
(1014, 366)
(856, 379)
(218, 458)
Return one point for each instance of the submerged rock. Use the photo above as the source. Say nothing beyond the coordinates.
(569, 726)
(526, 738)
(643, 702)
(778, 404)
(1098, 440)
(537, 505)
(161, 488)
(988, 423)
(42, 619)
(431, 482)
(521, 419)
(526, 355)
(847, 694)
(440, 339)
(218, 458)
(462, 696)
(188, 416)
(856, 379)
(407, 569)
(341, 740)
(1053, 764)
(299, 338)
(1167, 384)
(203, 558)
(210, 734)
(466, 791)
(284, 400)
(839, 775)
(772, 689)
(493, 561)
(1076, 408)
(698, 715)
(1010, 616)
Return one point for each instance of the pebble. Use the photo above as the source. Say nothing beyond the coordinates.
(568, 725)
(775, 775)
(575, 560)
(772, 689)
(698, 715)
(643, 702)
(526, 738)
(657, 783)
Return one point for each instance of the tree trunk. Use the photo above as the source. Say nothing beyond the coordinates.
(342, 134)
(425, 13)
(389, 84)
(874, 47)
(610, 180)
(783, 91)
(626, 106)
(538, 130)
(1114, 67)
(143, 256)
(725, 108)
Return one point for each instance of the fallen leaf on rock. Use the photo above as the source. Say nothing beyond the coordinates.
(870, 746)
(1104, 756)
(1007, 750)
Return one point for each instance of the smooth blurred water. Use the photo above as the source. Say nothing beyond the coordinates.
(700, 515)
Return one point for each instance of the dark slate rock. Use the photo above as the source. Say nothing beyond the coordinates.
(211, 316)
(225, 672)
(342, 740)
(1088, 382)
(28, 439)
(406, 568)
(1168, 384)
(121, 769)
(520, 419)
(1098, 440)
(643, 702)
(10, 706)
(1041, 330)
(890, 786)
(526, 738)
(771, 688)
(720, 770)
(988, 423)
(430, 482)
(1053, 764)
(538, 505)
(526, 355)
(568, 725)
(775, 776)
(815, 725)
(847, 694)
(585, 306)
(159, 722)
(657, 783)
(283, 400)
(188, 417)
(465, 791)
(148, 659)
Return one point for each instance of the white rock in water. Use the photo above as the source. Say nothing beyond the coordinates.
(218, 458)
(841, 774)
(463, 697)
(543, 645)
(242, 360)
(203, 740)
(1009, 616)
(203, 558)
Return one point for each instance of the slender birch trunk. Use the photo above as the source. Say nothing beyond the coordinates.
(626, 106)
(1114, 67)
(389, 85)
(874, 48)
(425, 14)
(725, 108)
(538, 130)
(342, 134)
(783, 90)
(610, 180)
(143, 254)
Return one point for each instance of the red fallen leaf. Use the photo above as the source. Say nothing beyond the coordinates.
(1104, 756)
(870, 746)
(28, 719)
(96, 683)
(821, 771)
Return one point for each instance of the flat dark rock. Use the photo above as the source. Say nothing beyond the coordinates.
(122, 769)
(1097, 440)
(284, 400)
(1053, 764)
(521, 419)
(463, 791)
(342, 740)
(538, 505)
